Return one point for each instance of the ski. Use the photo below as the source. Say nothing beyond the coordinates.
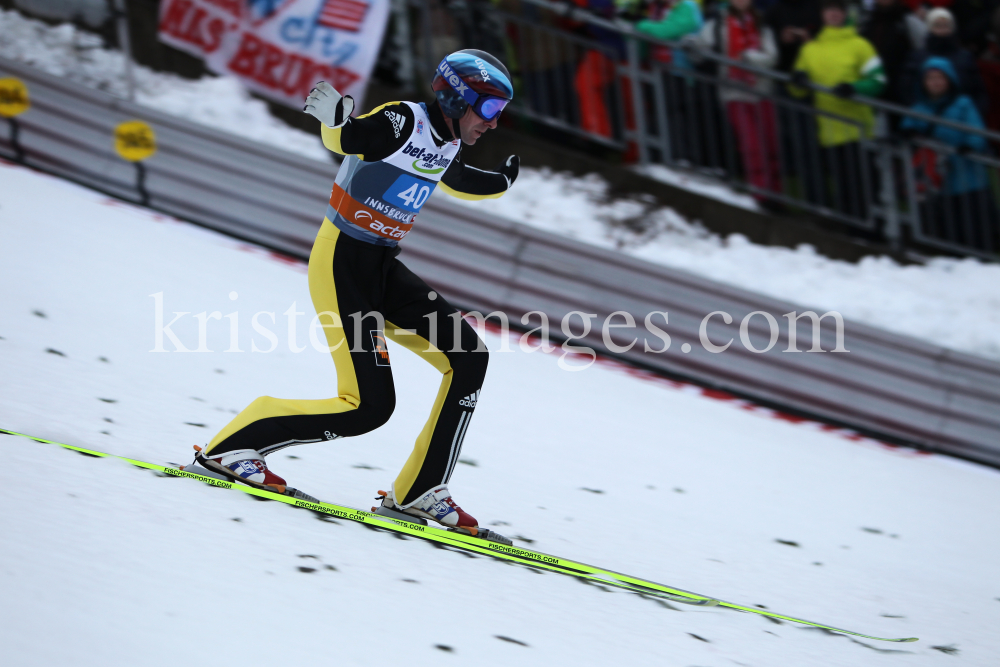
(500, 550)
(496, 549)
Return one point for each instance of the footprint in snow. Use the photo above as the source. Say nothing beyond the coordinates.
(309, 570)
(950, 649)
(878, 531)
(510, 639)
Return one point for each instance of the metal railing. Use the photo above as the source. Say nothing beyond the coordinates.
(593, 78)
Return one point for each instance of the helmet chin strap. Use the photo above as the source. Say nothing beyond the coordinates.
(455, 128)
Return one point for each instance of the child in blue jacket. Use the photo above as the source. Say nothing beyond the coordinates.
(966, 211)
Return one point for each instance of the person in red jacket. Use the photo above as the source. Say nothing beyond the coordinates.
(740, 34)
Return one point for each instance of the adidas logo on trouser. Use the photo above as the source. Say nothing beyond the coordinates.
(470, 400)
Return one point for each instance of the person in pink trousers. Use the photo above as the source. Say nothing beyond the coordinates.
(739, 33)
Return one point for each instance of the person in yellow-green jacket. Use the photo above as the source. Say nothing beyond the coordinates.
(840, 59)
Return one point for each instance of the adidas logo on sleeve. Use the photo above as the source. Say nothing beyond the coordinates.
(470, 400)
(398, 121)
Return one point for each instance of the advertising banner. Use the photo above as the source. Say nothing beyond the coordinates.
(281, 48)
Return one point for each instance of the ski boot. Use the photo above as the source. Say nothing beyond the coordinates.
(436, 505)
(243, 465)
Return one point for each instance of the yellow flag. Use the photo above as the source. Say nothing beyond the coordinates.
(13, 97)
(135, 140)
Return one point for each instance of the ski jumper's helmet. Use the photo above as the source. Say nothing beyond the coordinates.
(472, 78)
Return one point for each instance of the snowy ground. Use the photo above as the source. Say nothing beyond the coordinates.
(101, 562)
(702, 185)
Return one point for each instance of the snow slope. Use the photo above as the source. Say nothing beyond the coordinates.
(954, 303)
(102, 563)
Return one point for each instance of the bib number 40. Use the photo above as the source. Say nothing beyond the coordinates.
(408, 193)
(414, 198)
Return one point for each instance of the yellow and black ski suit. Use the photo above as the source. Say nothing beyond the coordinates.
(396, 155)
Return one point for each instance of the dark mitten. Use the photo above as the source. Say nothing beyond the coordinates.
(800, 78)
(844, 90)
(509, 168)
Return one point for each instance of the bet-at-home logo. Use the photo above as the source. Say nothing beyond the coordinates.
(429, 163)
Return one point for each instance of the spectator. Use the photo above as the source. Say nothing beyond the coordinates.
(989, 67)
(842, 60)
(739, 34)
(895, 32)
(544, 63)
(964, 212)
(672, 20)
(921, 7)
(794, 22)
(943, 42)
(595, 77)
(973, 20)
(764, 6)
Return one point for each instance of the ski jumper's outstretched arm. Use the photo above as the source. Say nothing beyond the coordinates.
(373, 136)
(467, 182)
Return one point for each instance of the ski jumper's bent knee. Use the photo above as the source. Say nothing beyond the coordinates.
(373, 412)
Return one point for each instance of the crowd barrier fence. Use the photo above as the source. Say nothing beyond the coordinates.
(676, 103)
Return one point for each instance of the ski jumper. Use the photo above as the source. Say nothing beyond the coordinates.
(396, 156)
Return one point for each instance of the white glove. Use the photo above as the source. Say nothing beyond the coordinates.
(329, 106)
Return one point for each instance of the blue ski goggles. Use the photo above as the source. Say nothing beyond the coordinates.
(486, 106)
